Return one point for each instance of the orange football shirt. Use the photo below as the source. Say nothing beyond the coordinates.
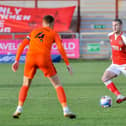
(40, 41)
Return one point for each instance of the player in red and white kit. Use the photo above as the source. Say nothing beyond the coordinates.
(118, 43)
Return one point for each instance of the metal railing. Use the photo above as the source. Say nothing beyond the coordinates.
(63, 35)
(92, 45)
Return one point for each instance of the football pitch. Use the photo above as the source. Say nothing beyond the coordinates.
(42, 108)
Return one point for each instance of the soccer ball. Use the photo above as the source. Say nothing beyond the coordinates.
(106, 101)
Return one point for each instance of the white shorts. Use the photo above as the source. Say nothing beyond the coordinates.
(117, 69)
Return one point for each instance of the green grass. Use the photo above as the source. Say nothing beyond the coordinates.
(42, 108)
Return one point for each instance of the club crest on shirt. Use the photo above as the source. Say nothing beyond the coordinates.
(120, 42)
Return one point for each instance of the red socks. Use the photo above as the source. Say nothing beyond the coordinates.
(23, 94)
(61, 96)
(113, 88)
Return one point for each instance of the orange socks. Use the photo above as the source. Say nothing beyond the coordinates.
(23, 95)
(61, 96)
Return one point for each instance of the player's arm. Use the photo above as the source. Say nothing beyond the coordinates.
(15, 65)
(109, 37)
(124, 38)
(62, 52)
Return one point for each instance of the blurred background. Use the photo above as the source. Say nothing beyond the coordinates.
(90, 24)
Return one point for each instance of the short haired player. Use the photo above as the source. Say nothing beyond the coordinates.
(118, 43)
(38, 56)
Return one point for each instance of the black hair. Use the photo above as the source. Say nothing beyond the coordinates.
(118, 20)
(49, 19)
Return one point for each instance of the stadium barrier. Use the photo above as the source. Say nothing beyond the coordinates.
(90, 45)
(94, 46)
(8, 47)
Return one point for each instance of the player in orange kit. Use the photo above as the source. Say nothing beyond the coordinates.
(38, 56)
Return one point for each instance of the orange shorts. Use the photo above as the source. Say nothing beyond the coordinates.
(34, 62)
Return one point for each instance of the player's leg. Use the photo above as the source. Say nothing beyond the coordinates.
(61, 95)
(29, 72)
(107, 77)
(46, 66)
(22, 96)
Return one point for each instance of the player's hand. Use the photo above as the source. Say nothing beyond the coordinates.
(70, 69)
(15, 66)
